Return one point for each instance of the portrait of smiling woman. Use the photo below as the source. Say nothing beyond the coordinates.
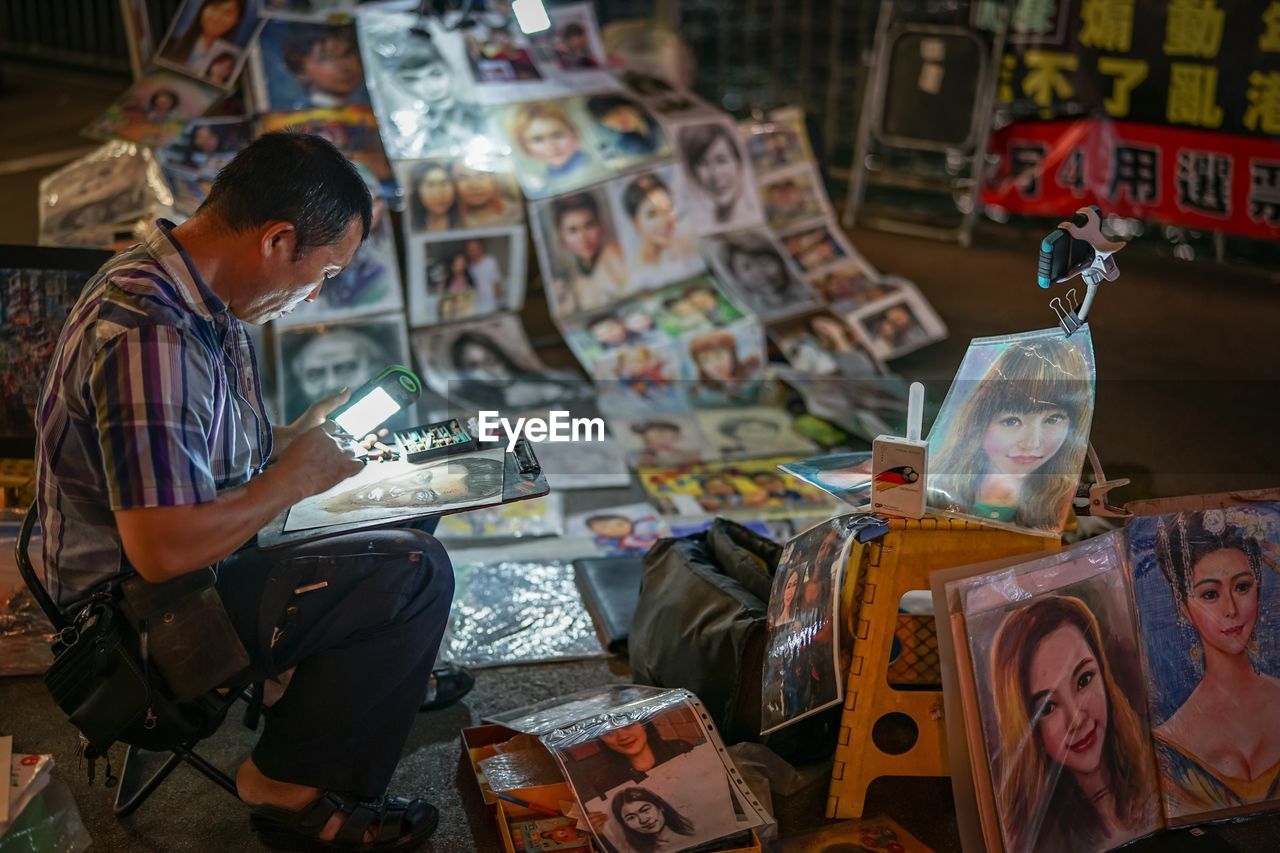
(1011, 437)
(1073, 761)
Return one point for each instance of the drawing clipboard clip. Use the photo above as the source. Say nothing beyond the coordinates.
(526, 461)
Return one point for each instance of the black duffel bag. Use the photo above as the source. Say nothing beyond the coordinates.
(700, 624)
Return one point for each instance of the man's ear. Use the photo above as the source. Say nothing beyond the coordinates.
(279, 241)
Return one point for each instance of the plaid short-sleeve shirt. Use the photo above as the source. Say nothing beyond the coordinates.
(153, 399)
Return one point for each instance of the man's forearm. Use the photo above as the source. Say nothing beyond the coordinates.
(164, 542)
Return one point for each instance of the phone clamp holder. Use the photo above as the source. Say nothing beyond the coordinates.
(1077, 247)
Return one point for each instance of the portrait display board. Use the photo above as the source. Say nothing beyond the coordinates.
(1009, 442)
(802, 672)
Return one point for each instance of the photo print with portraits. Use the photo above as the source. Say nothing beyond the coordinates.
(651, 214)
(725, 366)
(720, 181)
(572, 41)
(415, 91)
(459, 194)
(641, 378)
(154, 110)
(898, 324)
(825, 345)
(777, 143)
(668, 439)
(1009, 442)
(846, 476)
(209, 40)
(303, 65)
(802, 672)
(649, 775)
(625, 134)
(463, 275)
(551, 145)
(693, 306)
(816, 247)
(792, 197)
(748, 431)
(751, 488)
(490, 364)
(583, 265)
(207, 144)
(852, 283)
(760, 273)
(314, 362)
(618, 531)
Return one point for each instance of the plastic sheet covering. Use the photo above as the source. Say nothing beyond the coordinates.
(653, 773)
(49, 824)
(521, 762)
(518, 612)
(25, 633)
(90, 199)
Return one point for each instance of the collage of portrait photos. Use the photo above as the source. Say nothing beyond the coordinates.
(675, 248)
(1119, 686)
(802, 671)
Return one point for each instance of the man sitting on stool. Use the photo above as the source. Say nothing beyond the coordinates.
(153, 456)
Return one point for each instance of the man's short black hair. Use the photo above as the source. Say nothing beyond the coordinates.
(292, 177)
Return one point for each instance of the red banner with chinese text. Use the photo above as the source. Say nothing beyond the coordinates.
(1197, 179)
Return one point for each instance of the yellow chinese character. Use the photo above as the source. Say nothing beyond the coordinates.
(1269, 41)
(1046, 75)
(1107, 24)
(1193, 28)
(1128, 73)
(1193, 92)
(1008, 64)
(1264, 102)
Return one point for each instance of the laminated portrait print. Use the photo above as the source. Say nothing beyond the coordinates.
(415, 91)
(641, 379)
(307, 64)
(1207, 589)
(777, 144)
(314, 362)
(628, 530)
(663, 440)
(852, 285)
(722, 185)
(583, 266)
(573, 48)
(458, 194)
(370, 284)
(792, 197)
(117, 182)
(846, 476)
(651, 212)
(760, 274)
(207, 144)
(1010, 439)
(824, 345)
(489, 364)
(462, 275)
(743, 432)
(383, 491)
(352, 130)
(154, 110)
(653, 775)
(551, 144)
(899, 324)
(1055, 660)
(209, 40)
(725, 367)
(802, 659)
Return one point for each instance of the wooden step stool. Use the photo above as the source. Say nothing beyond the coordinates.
(897, 563)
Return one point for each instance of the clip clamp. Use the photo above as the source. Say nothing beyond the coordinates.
(1083, 252)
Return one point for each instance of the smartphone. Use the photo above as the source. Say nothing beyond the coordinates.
(375, 401)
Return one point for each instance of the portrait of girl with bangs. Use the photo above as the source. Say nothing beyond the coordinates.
(1011, 437)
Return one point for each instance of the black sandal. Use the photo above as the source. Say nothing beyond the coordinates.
(399, 824)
